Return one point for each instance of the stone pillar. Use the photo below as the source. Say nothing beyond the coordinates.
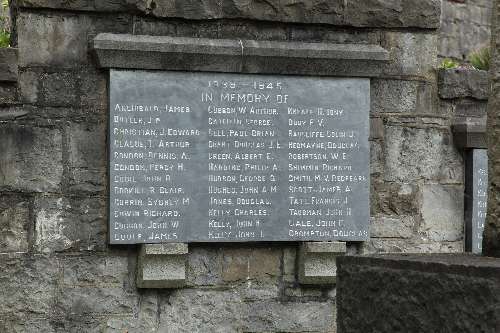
(491, 239)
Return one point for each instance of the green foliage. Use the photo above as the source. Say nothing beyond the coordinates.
(449, 64)
(4, 39)
(4, 32)
(480, 59)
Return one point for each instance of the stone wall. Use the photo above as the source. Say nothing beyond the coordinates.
(465, 27)
(418, 293)
(57, 271)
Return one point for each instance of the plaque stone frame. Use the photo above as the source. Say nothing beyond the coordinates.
(164, 53)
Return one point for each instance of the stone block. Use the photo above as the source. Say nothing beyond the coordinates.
(410, 245)
(246, 56)
(62, 41)
(70, 224)
(204, 267)
(421, 153)
(201, 310)
(87, 157)
(30, 158)
(411, 54)
(162, 265)
(392, 227)
(29, 285)
(8, 64)
(462, 83)
(317, 262)
(94, 270)
(397, 14)
(245, 264)
(14, 223)
(442, 212)
(418, 293)
(275, 316)
(400, 96)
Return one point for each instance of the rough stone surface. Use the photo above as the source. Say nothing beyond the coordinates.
(414, 153)
(401, 13)
(461, 83)
(442, 212)
(30, 158)
(465, 27)
(14, 223)
(411, 293)
(8, 64)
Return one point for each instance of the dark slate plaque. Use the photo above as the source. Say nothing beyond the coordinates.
(210, 157)
(476, 198)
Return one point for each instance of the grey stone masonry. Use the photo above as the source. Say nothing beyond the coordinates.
(8, 64)
(418, 293)
(162, 265)
(225, 55)
(461, 83)
(317, 262)
(369, 13)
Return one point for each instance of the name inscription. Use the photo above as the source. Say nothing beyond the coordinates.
(202, 157)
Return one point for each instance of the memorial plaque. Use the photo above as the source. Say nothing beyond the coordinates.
(476, 198)
(212, 157)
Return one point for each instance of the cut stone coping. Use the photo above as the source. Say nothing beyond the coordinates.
(8, 64)
(461, 264)
(239, 56)
(462, 83)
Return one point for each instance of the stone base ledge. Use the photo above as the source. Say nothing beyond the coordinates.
(162, 265)
(418, 293)
(317, 262)
(237, 56)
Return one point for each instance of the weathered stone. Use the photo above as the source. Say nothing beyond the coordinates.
(392, 227)
(398, 96)
(465, 27)
(29, 286)
(204, 266)
(162, 265)
(94, 270)
(243, 264)
(421, 153)
(399, 13)
(30, 158)
(273, 316)
(87, 157)
(395, 199)
(376, 156)
(412, 54)
(461, 83)
(442, 212)
(62, 40)
(230, 55)
(8, 64)
(317, 262)
(192, 310)
(65, 224)
(397, 288)
(413, 245)
(14, 223)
